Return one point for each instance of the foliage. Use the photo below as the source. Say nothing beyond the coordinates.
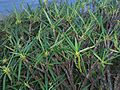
(58, 46)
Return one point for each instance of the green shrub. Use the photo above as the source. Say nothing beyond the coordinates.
(57, 47)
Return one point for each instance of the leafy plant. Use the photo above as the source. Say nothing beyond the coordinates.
(57, 46)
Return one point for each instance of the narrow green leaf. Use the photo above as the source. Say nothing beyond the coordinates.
(4, 82)
(57, 43)
(97, 56)
(50, 22)
(85, 49)
(76, 45)
(69, 42)
(19, 69)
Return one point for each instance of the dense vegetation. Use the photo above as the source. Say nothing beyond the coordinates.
(58, 46)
